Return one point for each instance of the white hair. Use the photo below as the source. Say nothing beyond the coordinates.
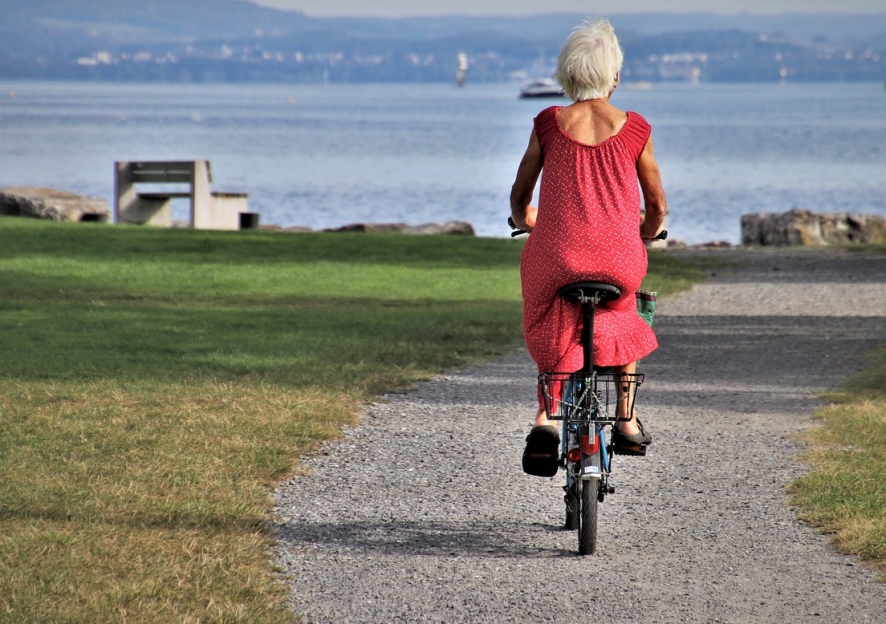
(589, 61)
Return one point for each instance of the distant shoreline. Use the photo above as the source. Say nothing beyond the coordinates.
(223, 41)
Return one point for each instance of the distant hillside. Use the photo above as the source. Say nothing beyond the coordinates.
(234, 40)
(554, 27)
(148, 20)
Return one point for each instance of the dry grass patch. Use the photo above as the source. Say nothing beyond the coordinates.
(845, 493)
(112, 572)
(148, 503)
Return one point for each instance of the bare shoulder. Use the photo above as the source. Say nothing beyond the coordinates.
(592, 121)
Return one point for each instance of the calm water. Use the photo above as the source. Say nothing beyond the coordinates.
(329, 155)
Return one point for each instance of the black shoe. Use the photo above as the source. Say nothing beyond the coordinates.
(631, 444)
(542, 452)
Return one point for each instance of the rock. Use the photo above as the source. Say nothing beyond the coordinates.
(461, 228)
(448, 227)
(46, 203)
(676, 243)
(796, 227)
(803, 227)
(849, 228)
(713, 245)
(370, 227)
(298, 228)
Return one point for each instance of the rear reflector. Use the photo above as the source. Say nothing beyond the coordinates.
(588, 447)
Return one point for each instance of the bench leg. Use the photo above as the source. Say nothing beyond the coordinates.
(201, 197)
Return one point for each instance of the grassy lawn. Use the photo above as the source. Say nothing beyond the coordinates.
(156, 384)
(845, 493)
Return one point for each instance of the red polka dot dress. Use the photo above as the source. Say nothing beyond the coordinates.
(587, 229)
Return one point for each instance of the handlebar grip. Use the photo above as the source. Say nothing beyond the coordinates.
(513, 226)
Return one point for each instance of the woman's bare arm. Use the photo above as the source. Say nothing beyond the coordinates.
(654, 201)
(524, 185)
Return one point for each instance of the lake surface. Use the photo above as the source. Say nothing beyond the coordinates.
(328, 155)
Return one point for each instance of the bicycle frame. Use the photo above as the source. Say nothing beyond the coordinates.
(585, 414)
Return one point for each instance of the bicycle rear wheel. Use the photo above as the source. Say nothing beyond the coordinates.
(587, 529)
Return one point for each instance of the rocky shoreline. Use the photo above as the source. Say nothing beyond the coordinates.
(797, 227)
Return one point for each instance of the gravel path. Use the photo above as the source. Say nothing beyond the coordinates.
(422, 514)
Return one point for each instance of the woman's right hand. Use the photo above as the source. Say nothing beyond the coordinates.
(527, 222)
(523, 189)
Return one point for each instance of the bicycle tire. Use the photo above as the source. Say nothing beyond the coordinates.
(587, 529)
(573, 504)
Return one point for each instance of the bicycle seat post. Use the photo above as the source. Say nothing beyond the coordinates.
(588, 308)
(588, 295)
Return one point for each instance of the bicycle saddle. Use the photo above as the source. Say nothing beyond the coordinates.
(593, 290)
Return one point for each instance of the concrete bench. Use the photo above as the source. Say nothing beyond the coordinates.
(208, 211)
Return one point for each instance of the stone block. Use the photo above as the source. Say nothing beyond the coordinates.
(47, 203)
(803, 227)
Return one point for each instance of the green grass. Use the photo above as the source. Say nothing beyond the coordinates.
(155, 385)
(845, 493)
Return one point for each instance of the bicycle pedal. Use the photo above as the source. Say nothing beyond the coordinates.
(630, 450)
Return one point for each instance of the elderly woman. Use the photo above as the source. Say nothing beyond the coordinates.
(587, 227)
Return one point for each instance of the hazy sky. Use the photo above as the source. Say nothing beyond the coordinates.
(401, 8)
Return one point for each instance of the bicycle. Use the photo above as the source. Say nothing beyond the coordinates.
(587, 402)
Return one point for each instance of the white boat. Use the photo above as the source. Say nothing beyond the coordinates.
(541, 89)
(461, 71)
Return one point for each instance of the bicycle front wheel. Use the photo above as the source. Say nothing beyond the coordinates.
(587, 529)
(573, 503)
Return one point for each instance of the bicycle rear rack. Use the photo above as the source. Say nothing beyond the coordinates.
(588, 396)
